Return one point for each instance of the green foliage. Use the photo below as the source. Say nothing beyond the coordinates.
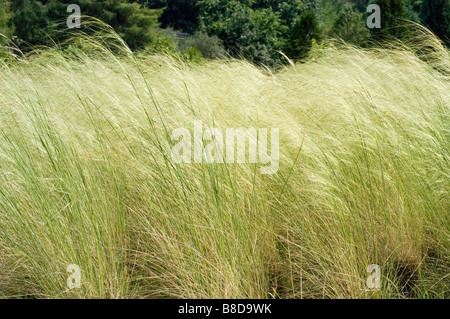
(413, 10)
(360, 5)
(289, 11)
(252, 33)
(327, 12)
(305, 30)
(193, 54)
(211, 47)
(181, 15)
(436, 15)
(162, 44)
(36, 22)
(135, 24)
(318, 50)
(29, 20)
(350, 26)
(253, 29)
(394, 17)
(5, 14)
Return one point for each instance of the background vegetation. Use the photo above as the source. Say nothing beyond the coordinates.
(254, 29)
(86, 175)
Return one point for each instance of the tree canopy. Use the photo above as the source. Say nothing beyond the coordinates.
(255, 29)
(36, 21)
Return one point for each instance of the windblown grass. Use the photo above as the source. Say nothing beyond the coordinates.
(87, 178)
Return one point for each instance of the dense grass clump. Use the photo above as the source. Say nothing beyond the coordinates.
(87, 178)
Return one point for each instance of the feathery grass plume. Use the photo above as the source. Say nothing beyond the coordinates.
(87, 177)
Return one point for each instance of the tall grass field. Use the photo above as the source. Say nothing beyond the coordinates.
(87, 179)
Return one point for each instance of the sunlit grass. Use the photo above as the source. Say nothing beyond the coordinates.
(87, 177)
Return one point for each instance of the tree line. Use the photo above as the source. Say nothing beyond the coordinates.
(255, 29)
